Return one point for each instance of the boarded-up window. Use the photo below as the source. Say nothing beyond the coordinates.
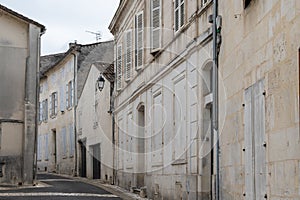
(119, 67)
(179, 14)
(72, 138)
(179, 103)
(64, 141)
(128, 56)
(155, 24)
(157, 129)
(46, 146)
(255, 148)
(139, 36)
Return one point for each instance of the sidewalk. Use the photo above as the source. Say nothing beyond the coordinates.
(116, 190)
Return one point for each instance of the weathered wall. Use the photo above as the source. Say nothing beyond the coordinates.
(261, 43)
(94, 124)
(19, 54)
(62, 124)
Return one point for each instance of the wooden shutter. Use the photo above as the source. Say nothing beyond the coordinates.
(41, 112)
(46, 146)
(155, 24)
(71, 140)
(55, 95)
(128, 57)
(62, 98)
(64, 141)
(179, 14)
(119, 67)
(72, 93)
(255, 149)
(249, 157)
(259, 138)
(67, 95)
(139, 23)
(51, 105)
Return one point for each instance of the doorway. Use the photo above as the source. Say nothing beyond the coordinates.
(54, 151)
(141, 146)
(96, 161)
(83, 159)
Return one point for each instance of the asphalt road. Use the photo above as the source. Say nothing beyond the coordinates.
(55, 187)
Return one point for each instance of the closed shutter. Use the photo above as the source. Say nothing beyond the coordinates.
(139, 23)
(41, 112)
(47, 147)
(249, 157)
(128, 57)
(67, 96)
(72, 93)
(179, 14)
(71, 140)
(259, 138)
(255, 150)
(45, 110)
(155, 24)
(39, 154)
(62, 98)
(119, 67)
(55, 95)
(64, 141)
(51, 105)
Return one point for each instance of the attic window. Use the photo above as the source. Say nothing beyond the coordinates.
(246, 3)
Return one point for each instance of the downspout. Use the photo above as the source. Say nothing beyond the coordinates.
(215, 109)
(112, 107)
(75, 108)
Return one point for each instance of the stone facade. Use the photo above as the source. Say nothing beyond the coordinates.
(163, 99)
(19, 55)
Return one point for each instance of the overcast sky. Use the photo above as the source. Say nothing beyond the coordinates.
(67, 20)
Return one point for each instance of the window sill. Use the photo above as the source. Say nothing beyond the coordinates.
(179, 162)
(157, 164)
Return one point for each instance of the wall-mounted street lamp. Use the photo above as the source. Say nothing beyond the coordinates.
(100, 82)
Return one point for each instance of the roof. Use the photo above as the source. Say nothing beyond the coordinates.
(100, 53)
(22, 17)
(107, 70)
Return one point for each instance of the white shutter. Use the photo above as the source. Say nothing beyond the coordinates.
(128, 57)
(67, 96)
(259, 137)
(249, 158)
(50, 105)
(119, 67)
(62, 98)
(139, 22)
(255, 151)
(155, 24)
(179, 14)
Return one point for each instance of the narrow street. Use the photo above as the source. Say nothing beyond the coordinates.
(55, 187)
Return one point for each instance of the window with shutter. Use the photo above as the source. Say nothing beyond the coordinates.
(72, 143)
(70, 94)
(255, 148)
(45, 110)
(128, 56)
(46, 147)
(155, 24)
(139, 35)
(119, 67)
(64, 141)
(179, 14)
(62, 99)
(41, 112)
(39, 148)
(53, 104)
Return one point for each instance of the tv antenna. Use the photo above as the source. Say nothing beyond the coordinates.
(97, 34)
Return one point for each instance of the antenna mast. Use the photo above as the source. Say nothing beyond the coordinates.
(97, 34)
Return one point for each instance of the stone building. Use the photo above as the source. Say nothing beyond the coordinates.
(63, 77)
(19, 66)
(94, 124)
(163, 97)
(259, 116)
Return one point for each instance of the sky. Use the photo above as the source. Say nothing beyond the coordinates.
(67, 20)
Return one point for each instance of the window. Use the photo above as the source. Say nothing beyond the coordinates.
(62, 105)
(204, 2)
(128, 56)
(119, 67)
(155, 24)
(70, 94)
(255, 147)
(139, 37)
(45, 110)
(53, 104)
(179, 14)
(246, 3)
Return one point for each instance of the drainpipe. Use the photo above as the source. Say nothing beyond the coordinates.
(75, 108)
(215, 110)
(113, 129)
